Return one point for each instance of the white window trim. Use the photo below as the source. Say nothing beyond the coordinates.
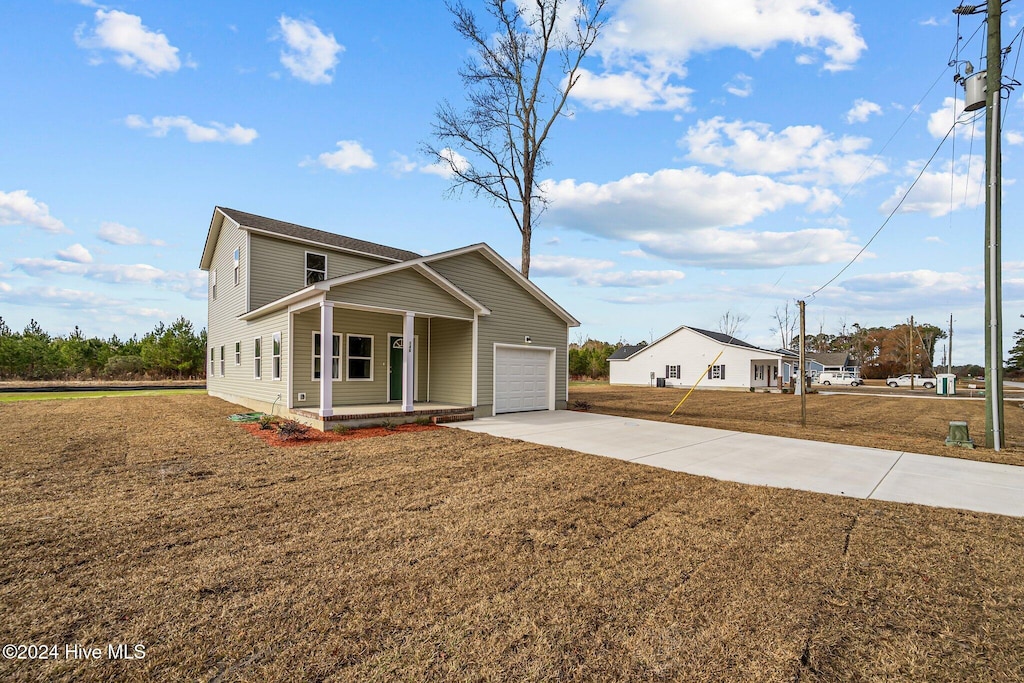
(279, 357)
(257, 358)
(348, 376)
(222, 361)
(237, 256)
(238, 353)
(306, 268)
(674, 371)
(331, 356)
(213, 283)
(211, 374)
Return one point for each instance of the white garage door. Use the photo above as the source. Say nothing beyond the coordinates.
(522, 380)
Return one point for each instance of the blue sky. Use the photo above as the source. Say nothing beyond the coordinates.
(725, 156)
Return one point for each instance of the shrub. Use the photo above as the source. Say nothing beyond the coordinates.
(341, 429)
(267, 421)
(124, 366)
(389, 425)
(290, 429)
(582, 404)
(423, 421)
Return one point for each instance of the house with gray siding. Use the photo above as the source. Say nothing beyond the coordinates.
(331, 329)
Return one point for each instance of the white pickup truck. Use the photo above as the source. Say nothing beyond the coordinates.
(904, 381)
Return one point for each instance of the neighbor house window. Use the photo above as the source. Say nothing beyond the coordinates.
(316, 267)
(257, 358)
(210, 373)
(360, 357)
(716, 372)
(236, 264)
(335, 355)
(221, 361)
(672, 371)
(238, 353)
(276, 356)
(213, 283)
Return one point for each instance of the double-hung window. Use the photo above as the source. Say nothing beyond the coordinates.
(316, 267)
(716, 372)
(212, 361)
(222, 360)
(213, 283)
(276, 356)
(238, 353)
(237, 254)
(335, 355)
(257, 358)
(360, 357)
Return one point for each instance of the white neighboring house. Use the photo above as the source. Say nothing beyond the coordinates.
(685, 354)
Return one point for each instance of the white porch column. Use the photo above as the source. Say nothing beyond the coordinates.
(326, 341)
(408, 371)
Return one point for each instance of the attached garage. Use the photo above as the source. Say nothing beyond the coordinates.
(524, 379)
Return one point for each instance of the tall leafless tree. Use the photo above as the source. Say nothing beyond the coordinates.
(523, 67)
(730, 323)
(785, 324)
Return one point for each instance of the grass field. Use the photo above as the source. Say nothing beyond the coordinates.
(448, 555)
(62, 395)
(917, 425)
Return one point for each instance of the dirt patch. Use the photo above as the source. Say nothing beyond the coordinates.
(916, 425)
(448, 555)
(315, 436)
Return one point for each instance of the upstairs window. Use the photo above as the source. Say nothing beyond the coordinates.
(316, 267)
(213, 283)
(236, 264)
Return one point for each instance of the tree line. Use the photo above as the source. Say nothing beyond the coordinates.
(174, 351)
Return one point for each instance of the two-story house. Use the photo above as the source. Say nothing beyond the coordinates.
(330, 328)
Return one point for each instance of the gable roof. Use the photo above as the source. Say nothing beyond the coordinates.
(719, 337)
(300, 233)
(626, 351)
(838, 358)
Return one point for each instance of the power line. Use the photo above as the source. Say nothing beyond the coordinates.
(889, 217)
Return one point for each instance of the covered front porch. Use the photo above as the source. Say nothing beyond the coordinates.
(374, 414)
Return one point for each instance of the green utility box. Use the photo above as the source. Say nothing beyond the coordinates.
(958, 435)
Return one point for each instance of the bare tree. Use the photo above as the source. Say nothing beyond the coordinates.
(517, 82)
(785, 324)
(730, 323)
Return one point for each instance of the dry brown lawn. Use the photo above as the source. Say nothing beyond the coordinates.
(447, 555)
(917, 425)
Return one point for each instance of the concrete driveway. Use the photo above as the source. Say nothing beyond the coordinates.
(838, 469)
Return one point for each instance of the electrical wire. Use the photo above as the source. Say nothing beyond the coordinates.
(889, 217)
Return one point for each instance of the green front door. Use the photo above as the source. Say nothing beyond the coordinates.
(395, 379)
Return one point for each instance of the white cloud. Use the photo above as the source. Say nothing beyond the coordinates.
(192, 283)
(444, 168)
(76, 253)
(310, 55)
(17, 208)
(633, 91)
(136, 47)
(862, 109)
(942, 119)
(801, 153)
(1013, 137)
(160, 126)
(955, 186)
(741, 85)
(589, 272)
(349, 157)
(934, 239)
(115, 233)
(402, 164)
(682, 215)
(892, 290)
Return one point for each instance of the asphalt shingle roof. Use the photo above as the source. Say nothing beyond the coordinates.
(331, 239)
(626, 351)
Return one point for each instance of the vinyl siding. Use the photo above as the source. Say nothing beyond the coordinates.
(515, 313)
(404, 290)
(451, 361)
(349, 392)
(224, 328)
(279, 267)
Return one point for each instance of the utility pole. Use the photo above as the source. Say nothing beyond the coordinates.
(801, 387)
(995, 433)
(949, 358)
(910, 351)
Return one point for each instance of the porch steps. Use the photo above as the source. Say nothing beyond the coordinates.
(457, 417)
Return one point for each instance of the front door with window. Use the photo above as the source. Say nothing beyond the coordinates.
(395, 370)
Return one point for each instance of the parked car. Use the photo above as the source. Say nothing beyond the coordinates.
(904, 381)
(839, 378)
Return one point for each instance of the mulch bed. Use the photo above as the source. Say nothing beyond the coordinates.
(315, 436)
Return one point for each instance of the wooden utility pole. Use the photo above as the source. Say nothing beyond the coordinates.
(910, 353)
(801, 387)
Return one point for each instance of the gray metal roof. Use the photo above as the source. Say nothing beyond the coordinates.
(250, 220)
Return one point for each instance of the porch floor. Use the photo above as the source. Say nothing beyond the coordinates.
(369, 411)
